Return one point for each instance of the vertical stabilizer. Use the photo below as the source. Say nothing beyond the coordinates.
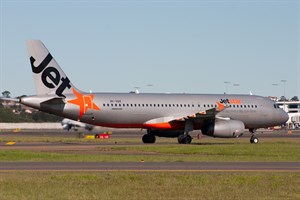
(49, 78)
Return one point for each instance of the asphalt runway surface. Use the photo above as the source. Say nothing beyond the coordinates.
(151, 166)
(137, 133)
(133, 166)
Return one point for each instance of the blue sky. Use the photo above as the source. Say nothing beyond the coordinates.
(176, 46)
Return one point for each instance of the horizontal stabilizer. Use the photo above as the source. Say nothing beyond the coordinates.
(9, 99)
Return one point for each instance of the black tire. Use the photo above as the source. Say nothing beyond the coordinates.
(148, 139)
(184, 139)
(254, 140)
(188, 139)
(180, 139)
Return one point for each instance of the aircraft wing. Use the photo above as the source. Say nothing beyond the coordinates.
(199, 117)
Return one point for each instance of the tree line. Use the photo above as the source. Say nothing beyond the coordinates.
(8, 115)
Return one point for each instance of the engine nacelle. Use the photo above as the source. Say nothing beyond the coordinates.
(66, 126)
(224, 129)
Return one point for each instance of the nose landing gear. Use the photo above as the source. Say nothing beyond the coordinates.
(253, 139)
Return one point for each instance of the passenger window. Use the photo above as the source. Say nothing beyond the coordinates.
(107, 104)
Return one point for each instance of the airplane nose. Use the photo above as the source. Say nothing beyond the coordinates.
(284, 117)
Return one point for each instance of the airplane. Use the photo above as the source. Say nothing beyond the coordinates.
(162, 115)
(68, 124)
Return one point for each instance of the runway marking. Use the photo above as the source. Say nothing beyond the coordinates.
(149, 170)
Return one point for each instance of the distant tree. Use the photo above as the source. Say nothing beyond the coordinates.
(282, 98)
(295, 98)
(6, 94)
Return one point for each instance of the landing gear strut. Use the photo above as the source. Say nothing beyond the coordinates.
(253, 139)
(185, 138)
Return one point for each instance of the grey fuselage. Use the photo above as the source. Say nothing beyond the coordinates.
(131, 110)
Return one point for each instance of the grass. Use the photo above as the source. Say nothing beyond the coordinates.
(151, 185)
(119, 185)
(241, 150)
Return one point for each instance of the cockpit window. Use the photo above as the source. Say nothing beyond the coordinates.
(276, 106)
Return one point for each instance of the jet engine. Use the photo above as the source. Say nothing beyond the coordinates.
(224, 129)
(66, 126)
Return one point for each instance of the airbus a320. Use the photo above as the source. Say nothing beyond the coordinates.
(163, 115)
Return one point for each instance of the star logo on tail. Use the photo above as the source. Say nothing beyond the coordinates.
(84, 102)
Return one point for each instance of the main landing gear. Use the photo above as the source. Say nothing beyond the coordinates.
(185, 138)
(149, 138)
(253, 139)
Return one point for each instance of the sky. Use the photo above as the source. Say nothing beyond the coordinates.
(233, 46)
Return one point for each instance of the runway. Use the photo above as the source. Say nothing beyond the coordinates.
(93, 148)
(150, 166)
(136, 133)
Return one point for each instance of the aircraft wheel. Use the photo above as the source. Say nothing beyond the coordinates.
(180, 139)
(188, 139)
(184, 139)
(148, 138)
(254, 140)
